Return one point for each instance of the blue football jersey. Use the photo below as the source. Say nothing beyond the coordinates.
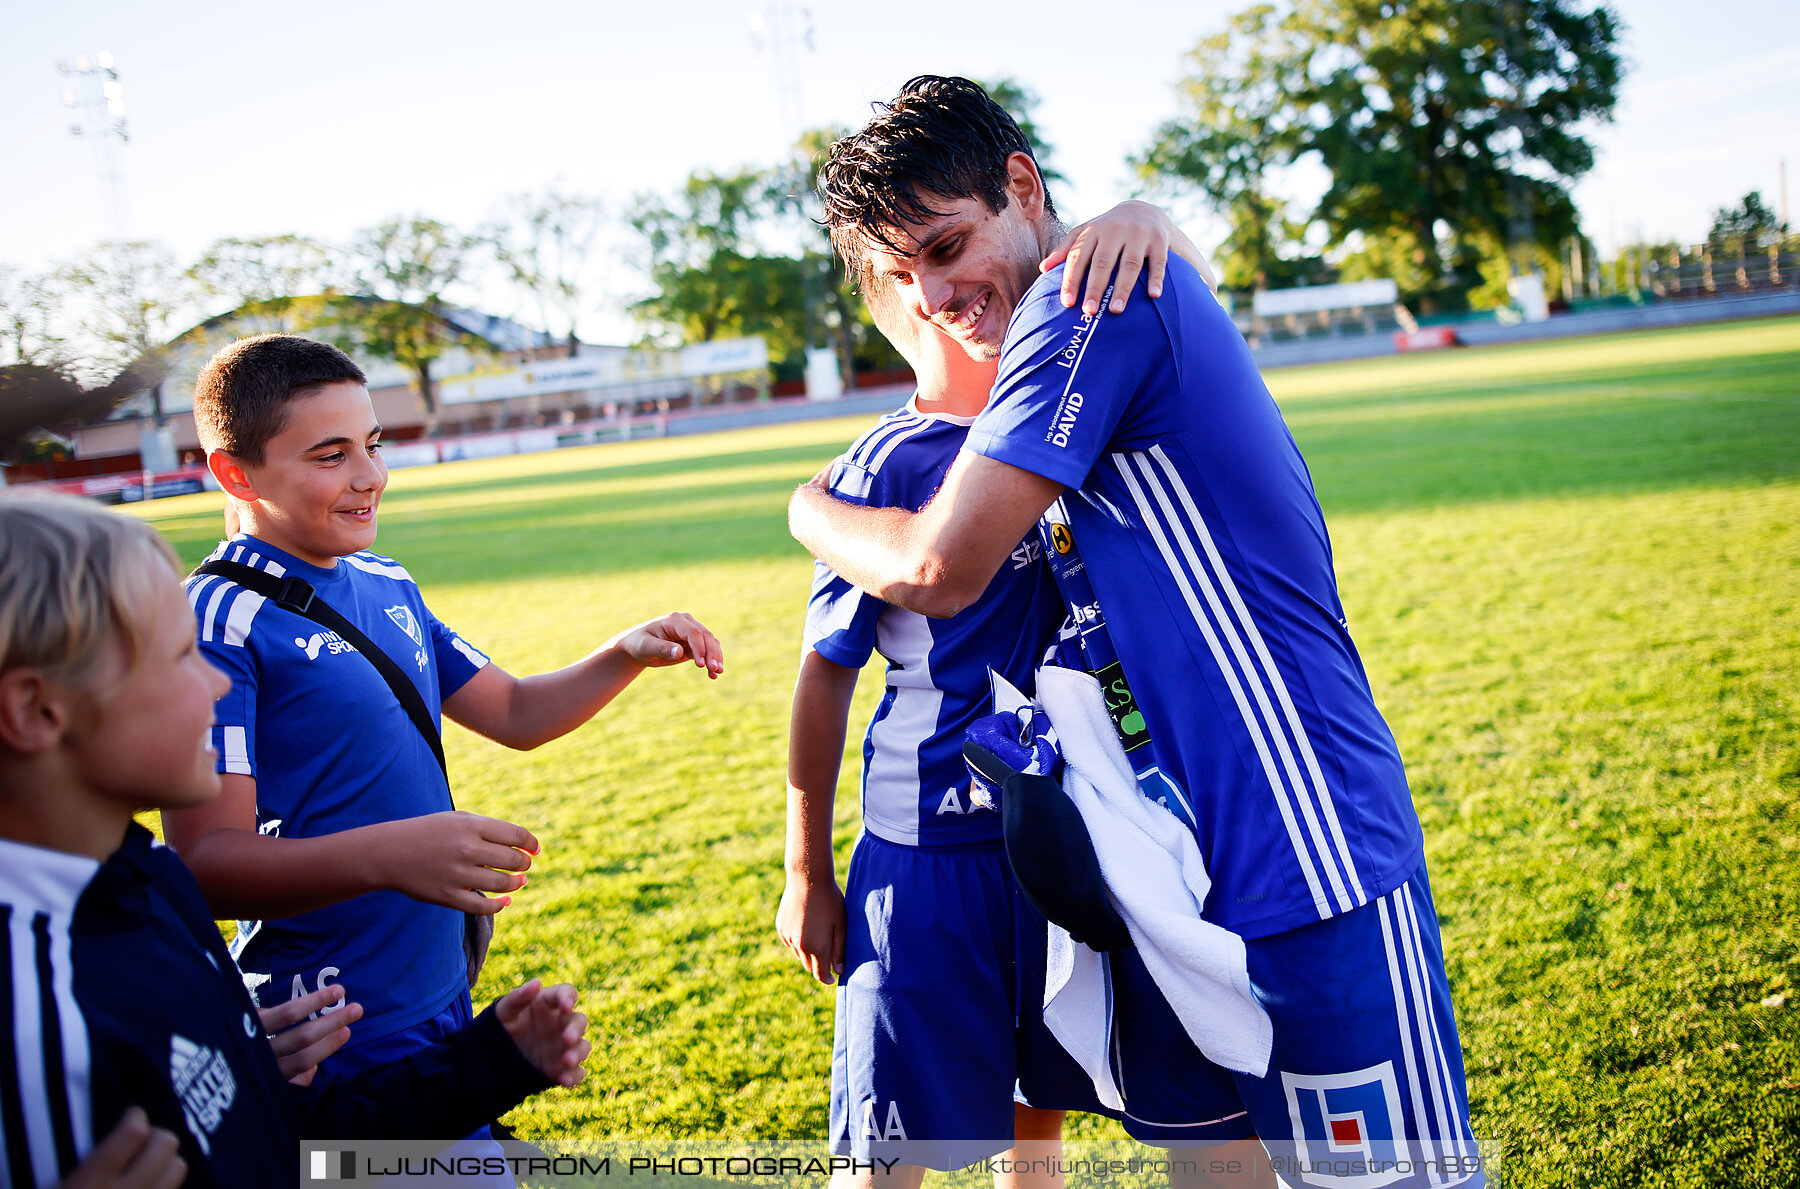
(1195, 517)
(331, 749)
(915, 789)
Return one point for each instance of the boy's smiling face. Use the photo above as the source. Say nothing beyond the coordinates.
(148, 743)
(316, 490)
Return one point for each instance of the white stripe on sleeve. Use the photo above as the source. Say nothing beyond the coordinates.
(236, 751)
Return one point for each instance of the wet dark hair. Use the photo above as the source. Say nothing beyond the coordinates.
(241, 395)
(939, 137)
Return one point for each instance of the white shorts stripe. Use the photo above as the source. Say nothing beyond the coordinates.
(1428, 1057)
(1258, 681)
(1428, 1150)
(1320, 788)
(1282, 800)
(1454, 1122)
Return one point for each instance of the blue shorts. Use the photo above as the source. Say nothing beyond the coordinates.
(1366, 1070)
(928, 1048)
(396, 1046)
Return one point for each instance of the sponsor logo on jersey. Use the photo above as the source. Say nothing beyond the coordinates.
(1028, 551)
(204, 1084)
(1353, 1115)
(405, 620)
(325, 641)
(1064, 423)
(1061, 539)
(1083, 326)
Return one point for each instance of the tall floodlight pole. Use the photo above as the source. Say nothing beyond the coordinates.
(97, 100)
(784, 32)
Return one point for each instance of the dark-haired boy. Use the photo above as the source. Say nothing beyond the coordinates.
(1197, 525)
(334, 841)
(929, 913)
(132, 1055)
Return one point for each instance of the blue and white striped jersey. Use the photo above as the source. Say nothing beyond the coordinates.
(1195, 517)
(331, 748)
(915, 789)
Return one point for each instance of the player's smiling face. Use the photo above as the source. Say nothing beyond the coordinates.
(321, 477)
(966, 270)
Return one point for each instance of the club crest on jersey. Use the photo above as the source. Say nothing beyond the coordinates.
(405, 620)
(204, 1084)
(1345, 1124)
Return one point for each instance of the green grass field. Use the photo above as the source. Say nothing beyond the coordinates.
(1573, 571)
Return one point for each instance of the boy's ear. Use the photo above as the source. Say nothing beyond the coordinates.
(231, 476)
(1026, 185)
(34, 712)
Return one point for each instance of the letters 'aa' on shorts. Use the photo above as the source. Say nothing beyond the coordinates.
(928, 1049)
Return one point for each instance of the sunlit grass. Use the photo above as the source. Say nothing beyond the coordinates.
(1572, 569)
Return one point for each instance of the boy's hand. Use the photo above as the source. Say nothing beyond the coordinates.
(134, 1155)
(440, 857)
(665, 641)
(543, 1022)
(1132, 236)
(301, 1043)
(811, 922)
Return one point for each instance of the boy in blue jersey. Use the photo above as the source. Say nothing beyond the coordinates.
(927, 1058)
(131, 1055)
(334, 841)
(1196, 521)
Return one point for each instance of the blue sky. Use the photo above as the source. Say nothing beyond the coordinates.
(319, 119)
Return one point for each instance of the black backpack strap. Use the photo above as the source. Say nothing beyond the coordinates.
(298, 596)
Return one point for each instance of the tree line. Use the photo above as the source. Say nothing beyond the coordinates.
(1449, 132)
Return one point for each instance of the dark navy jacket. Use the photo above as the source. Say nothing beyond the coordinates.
(116, 989)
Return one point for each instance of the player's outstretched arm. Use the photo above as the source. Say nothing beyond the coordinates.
(1132, 237)
(526, 712)
(935, 561)
(811, 919)
(441, 858)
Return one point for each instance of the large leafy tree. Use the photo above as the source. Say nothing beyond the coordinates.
(544, 245)
(711, 274)
(401, 270)
(1749, 226)
(29, 329)
(132, 297)
(283, 282)
(1448, 127)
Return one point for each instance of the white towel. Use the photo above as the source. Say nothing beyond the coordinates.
(1158, 881)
